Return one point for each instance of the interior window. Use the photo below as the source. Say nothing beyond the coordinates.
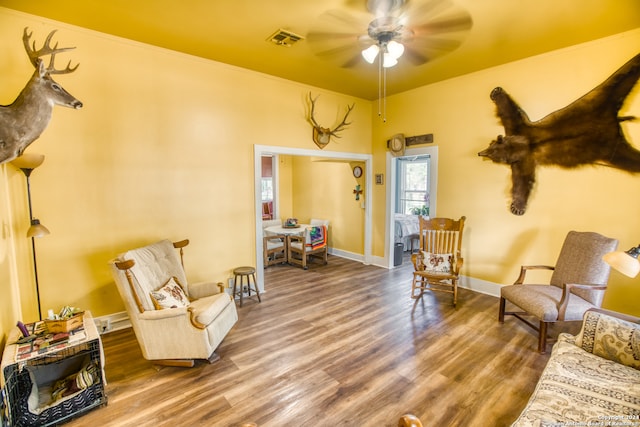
(413, 185)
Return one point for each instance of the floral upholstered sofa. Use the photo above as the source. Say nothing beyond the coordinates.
(591, 379)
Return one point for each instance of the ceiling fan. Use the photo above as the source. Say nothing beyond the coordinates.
(419, 30)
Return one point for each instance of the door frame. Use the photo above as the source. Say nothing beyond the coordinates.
(260, 150)
(392, 164)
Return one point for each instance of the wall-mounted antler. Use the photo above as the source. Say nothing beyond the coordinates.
(322, 136)
(26, 118)
(36, 55)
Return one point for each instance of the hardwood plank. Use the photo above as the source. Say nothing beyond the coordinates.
(341, 344)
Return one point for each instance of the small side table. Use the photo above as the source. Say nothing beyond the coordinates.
(245, 273)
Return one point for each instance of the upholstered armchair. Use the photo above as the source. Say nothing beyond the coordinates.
(174, 321)
(577, 284)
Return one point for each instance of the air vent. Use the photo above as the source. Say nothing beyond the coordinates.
(284, 38)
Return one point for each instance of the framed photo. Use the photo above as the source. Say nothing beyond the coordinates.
(379, 179)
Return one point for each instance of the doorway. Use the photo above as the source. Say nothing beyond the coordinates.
(262, 150)
(400, 200)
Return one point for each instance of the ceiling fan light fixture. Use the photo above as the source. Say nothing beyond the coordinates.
(395, 49)
(370, 53)
(389, 60)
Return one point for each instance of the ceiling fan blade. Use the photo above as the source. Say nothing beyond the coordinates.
(428, 49)
(446, 25)
(427, 10)
(320, 37)
(339, 36)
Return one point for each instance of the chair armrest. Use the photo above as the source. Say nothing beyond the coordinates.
(418, 261)
(166, 313)
(205, 289)
(567, 288)
(525, 268)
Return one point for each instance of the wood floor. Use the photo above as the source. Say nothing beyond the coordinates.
(337, 345)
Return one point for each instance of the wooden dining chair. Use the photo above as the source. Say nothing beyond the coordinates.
(274, 245)
(312, 242)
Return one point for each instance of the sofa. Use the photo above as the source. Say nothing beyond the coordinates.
(592, 378)
(175, 321)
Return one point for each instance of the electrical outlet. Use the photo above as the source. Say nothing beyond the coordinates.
(230, 282)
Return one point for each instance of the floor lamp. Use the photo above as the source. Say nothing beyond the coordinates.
(27, 163)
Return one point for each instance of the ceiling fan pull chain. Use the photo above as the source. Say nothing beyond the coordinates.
(384, 95)
(380, 86)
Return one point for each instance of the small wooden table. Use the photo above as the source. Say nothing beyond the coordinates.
(287, 231)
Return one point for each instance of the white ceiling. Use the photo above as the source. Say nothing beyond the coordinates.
(235, 32)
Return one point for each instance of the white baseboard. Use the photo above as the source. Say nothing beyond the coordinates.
(480, 286)
(348, 255)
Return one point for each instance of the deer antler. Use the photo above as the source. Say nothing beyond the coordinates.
(328, 131)
(36, 54)
(344, 121)
(313, 105)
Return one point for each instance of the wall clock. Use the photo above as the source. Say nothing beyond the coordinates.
(357, 171)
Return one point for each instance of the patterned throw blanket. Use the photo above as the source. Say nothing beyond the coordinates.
(317, 237)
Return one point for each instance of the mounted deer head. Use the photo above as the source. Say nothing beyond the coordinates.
(27, 117)
(322, 136)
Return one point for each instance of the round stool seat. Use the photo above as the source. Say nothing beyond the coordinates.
(245, 273)
(244, 270)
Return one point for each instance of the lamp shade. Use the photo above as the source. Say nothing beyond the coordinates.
(625, 262)
(37, 229)
(389, 61)
(28, 161)
(370, 53)
(395, 49)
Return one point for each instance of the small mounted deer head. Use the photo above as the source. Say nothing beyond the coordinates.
(27, 117)
(322, 136)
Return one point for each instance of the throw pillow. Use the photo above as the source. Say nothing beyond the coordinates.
(437, 263)
(86, 377)
(170, 295)
(610, 338)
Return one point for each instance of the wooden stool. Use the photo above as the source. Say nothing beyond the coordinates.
(248, 273)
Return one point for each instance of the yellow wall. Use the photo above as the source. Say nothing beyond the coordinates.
(462, 118)
(323, 189)
(164, 149)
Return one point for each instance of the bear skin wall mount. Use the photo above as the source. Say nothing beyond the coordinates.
(586, 131)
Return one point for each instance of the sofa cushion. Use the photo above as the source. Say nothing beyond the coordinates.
(170, 295)
(580, 388)
(612, 338)
(207, 309)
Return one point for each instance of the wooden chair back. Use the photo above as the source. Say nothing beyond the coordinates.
(441, 235)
